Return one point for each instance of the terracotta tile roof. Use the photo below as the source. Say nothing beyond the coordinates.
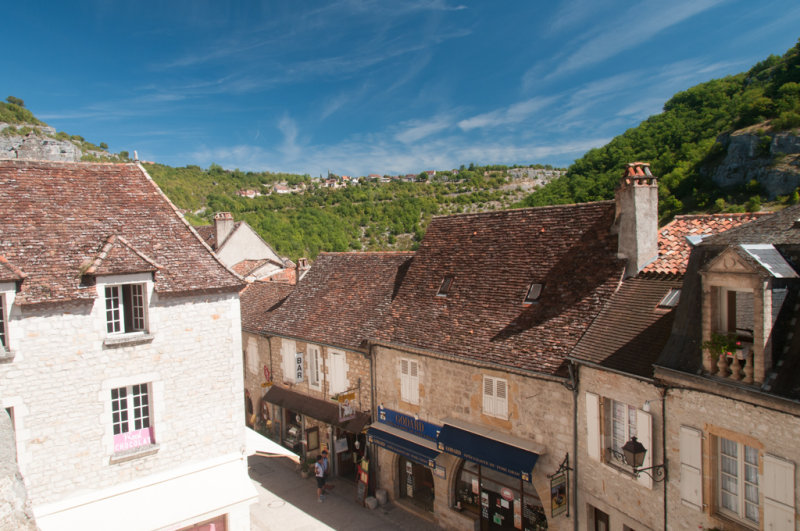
(260, 298)
(208, 234)
(61, 219)
(631, 330)
(673, 249)
(494, 258)
(341, 300)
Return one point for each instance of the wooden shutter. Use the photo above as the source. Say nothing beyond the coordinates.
(644, 434)
(691, 446)
(413, 382)
(488, 395)
(404, 384)
(313, 366)
(593, 426)
(500, 398)
(288, 354)
(778, 481)
(338, 370)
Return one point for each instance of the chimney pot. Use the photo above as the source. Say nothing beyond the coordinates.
(223, 225)
(637, 217)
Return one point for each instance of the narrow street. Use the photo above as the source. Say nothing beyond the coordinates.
(288, 502)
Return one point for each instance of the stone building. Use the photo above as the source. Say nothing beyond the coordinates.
(618, 397)
(121, 343)
(731, 386)
(313, 345)
(241, 248)
(473, 386)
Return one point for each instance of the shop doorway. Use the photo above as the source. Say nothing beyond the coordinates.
(416, 484)
(350, 449)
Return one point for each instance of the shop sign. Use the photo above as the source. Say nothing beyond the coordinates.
(132, 439)
(347, 408)
(298, 367)
(507, 493)
(409, 424)
(559, 501)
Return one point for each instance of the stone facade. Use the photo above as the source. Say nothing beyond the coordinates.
(58, 386)
(539, 410)
(771, 428)
(603, 483)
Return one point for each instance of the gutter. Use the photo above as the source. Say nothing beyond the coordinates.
(573, 385)
(599, 367)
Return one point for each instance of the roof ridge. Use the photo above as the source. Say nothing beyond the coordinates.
(521, 209)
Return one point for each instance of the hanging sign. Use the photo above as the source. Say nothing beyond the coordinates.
(298, 367)
(347, 409)
(559, 501)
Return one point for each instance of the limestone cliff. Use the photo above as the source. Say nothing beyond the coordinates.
(772, 159)
(40, 143)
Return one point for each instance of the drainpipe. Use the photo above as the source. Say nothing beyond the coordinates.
(573, 386)
(664, 448)
(373, 453)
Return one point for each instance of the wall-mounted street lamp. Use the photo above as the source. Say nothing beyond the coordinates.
(633, 453)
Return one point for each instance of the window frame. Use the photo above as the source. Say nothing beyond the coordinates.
(8, 292)
(445, 286)
(740, 514)
(494, 405)
(155, 393)
(132, 414)
(115, 282)
(288, 359)
(130, 308)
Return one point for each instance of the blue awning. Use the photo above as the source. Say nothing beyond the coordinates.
(498, 453)
(404, 444)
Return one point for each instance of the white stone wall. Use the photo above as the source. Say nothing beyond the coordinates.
(245, 244)
(58, 385)
(604, 486)
(539, 410)
(770, 430)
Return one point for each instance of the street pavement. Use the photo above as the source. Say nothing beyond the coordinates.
(287, 502)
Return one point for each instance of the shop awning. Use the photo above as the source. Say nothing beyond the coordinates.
(257, 444)
(410, 446)
(156, 501)
(326, 411)
(488, 447)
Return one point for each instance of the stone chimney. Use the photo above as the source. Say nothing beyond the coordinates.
(300, 269)
(637, 217)
(223, 225)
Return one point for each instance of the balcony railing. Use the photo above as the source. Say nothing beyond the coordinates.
(737, 364)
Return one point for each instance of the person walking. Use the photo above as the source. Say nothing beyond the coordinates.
(319, 473)
(326, 469)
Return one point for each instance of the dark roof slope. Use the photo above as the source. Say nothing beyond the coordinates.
(631, 331)
(494, 258)
(259, 299)
(56, 219)
(342, 299)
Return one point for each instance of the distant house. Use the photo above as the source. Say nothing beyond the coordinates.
(250, 194)
(120, 354)
(281, 189)
(431, 173)
(243, 250)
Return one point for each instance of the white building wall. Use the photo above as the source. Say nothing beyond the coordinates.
(244, 244)
(59, 382)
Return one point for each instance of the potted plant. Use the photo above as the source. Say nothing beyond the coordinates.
(305, 467)
(721, 344)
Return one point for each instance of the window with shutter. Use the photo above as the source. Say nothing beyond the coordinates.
(778, 492)
(338, 372)
(313, 367)
(288, 356)
(495, 397)
(593, 426)
(691, 447)
(644, 434)
(409, 381)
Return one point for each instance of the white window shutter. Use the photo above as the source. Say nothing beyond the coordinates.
(593, 426)
(644, 434)
(288, 353)
(413, 382)
(488, 395)
(691, 445)
(501, 398)
(778, 481)
(404, 386)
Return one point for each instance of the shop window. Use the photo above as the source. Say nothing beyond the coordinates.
(498, 500)
(314, 367)
(495, 397)
(737, 480)
(125, 309)
(131, 417)
(409, 381)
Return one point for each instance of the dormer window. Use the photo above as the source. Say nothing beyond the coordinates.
(534, 292)
(735, 313)
(444, 289)
(670, 300)
(125, 309)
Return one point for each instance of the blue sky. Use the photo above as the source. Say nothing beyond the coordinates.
(358, 87)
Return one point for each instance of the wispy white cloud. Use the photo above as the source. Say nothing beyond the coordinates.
(290, 148)
(642, 22)
(512, 114)
(415, 130)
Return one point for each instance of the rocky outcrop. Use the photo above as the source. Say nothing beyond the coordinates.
(772, 159)
(37, 145)
(15, 509)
